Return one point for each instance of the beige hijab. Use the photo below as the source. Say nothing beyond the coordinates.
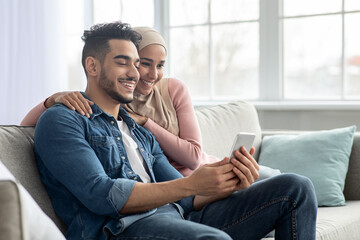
(157, 105)
(149, 36)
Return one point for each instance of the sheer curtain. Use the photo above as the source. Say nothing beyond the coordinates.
(32, 55)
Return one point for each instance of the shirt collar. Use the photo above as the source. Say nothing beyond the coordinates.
(97, 111)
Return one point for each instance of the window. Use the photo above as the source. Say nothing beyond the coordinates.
(215, 50)
(269, 50)
(82, 14)
(265, 50)
(319, 49)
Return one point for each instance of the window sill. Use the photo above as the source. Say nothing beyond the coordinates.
(293, 105)
(308, 105)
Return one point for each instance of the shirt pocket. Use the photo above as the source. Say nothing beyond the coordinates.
(108, 152)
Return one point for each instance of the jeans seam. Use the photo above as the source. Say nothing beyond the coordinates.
(293, 223)
(270, 203)
(147, 237)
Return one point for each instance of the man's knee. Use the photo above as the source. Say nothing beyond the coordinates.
(203, 232)
(301, 186)
(215, 235)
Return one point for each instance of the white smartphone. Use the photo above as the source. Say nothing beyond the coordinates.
(242, 139)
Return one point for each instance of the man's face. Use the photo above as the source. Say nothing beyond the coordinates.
(119, 74)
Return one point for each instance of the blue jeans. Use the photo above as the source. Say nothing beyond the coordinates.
(286, 203)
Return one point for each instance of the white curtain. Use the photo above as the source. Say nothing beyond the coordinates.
(32, 55)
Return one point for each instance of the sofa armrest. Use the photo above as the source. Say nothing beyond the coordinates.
(11, 226)
(352, 186)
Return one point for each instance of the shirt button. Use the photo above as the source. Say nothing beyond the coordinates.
(135, 178)
(118, 138)
(130, 172)
(112, 122)
(142, 149)
(123, 157)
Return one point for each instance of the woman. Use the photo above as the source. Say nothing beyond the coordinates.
(162, 105)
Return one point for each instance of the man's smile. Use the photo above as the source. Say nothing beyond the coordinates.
(129, 84)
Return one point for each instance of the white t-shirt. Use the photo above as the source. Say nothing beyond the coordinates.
(136, 160)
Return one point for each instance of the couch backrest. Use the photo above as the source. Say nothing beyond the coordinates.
(16, 153)
(220, 123)
(352, 182)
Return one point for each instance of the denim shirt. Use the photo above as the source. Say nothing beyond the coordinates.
(86, 171)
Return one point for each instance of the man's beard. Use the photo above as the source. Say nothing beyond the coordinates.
(108, 86)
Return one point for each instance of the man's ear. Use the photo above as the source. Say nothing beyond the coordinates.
(92, 67)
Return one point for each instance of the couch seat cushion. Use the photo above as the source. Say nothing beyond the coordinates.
(334, 223)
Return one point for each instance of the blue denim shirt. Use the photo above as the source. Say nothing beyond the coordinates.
(86, 171)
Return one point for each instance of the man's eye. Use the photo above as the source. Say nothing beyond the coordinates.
(161, 66)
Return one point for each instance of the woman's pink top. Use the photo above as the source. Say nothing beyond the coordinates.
(183, 151)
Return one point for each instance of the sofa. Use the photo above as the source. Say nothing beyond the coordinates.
(218, 124)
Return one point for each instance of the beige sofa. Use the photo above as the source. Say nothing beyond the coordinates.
(218, 124)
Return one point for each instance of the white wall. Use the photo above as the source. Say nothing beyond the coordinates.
(32, 55)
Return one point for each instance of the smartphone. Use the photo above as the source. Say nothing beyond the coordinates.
(242, 139)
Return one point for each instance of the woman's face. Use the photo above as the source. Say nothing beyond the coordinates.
(151, 68)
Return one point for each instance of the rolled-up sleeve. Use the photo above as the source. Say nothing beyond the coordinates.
(120, 188)
(62, 150)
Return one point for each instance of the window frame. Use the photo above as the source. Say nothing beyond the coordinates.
(271, 74)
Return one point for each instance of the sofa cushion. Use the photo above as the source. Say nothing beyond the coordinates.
(220, 124)
(334, 223)
(16, 153)
(322, 156)
(30, 221)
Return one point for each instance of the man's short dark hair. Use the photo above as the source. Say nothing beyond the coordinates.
(97, 39)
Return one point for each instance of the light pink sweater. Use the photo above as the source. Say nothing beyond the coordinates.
(183, 151)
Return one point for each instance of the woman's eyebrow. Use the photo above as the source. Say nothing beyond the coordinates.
(147, 59)
(150, 60)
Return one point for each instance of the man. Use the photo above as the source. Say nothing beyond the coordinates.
(108, 178)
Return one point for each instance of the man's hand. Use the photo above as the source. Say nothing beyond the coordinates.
(141, 120)
(245, 168)
(209, 183)
(73, 100)
(212, 182)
